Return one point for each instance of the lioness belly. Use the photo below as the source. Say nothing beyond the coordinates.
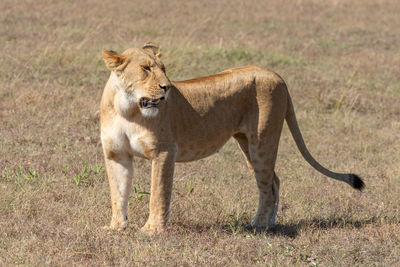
(198, 149)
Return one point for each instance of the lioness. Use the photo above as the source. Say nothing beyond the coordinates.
(144, 114)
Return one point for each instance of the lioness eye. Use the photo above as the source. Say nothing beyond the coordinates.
(147, 68)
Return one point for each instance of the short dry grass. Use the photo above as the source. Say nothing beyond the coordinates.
(341, 60)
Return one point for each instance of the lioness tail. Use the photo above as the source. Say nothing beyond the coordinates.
(349, 178)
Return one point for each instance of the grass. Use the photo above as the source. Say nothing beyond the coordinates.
(341, 61)
(189, 59)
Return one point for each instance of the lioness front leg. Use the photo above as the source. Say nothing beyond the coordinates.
(119, 170)
(161, 187)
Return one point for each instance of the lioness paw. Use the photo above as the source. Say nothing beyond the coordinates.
(151, 229)
(115, 227)
(112, 228)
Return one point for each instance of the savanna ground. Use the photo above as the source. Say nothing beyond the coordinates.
(341, 60)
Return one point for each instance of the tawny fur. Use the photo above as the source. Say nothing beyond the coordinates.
(193, 119)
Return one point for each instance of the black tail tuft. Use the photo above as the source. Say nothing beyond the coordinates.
(356, 182)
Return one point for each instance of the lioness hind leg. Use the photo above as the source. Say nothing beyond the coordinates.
(244, 146)
(268, 187)
(275, 190)
(261, 164)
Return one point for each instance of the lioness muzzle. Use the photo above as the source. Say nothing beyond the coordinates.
(149, 103)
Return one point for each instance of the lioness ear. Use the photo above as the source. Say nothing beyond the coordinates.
(152, 48)
(113, 60)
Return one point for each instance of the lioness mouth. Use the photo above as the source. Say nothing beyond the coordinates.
(150, 103)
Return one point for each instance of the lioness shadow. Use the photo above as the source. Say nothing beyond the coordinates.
(293, 230)
(287, 230)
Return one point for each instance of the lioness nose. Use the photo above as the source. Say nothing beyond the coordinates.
(165, 87)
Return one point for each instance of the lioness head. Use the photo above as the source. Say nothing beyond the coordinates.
(139, 78)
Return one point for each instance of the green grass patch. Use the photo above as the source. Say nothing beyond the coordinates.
(88, 174)
(19, 176)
